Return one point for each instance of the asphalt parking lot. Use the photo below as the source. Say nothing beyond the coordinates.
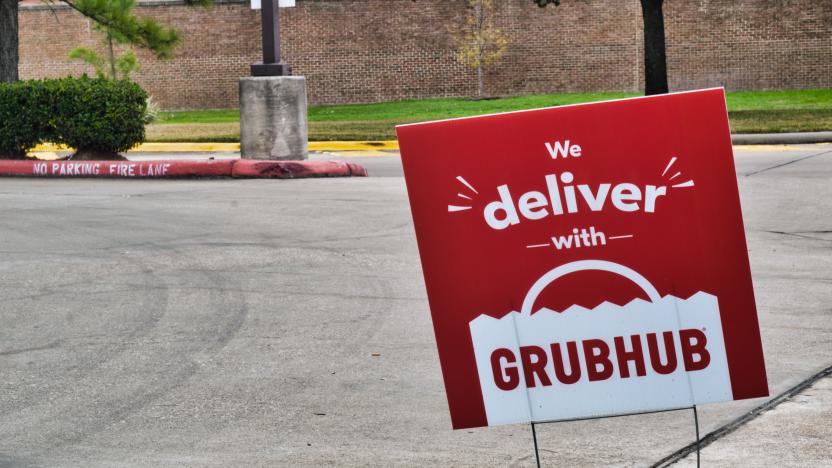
(285, 323)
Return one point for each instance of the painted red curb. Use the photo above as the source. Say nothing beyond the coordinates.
(357, 170)
(124, 169)
(181, 169)
(296, 169)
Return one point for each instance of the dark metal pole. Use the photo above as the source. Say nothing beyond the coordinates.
(536, 453)
(272, 65)
(696, 422)
(270, 15)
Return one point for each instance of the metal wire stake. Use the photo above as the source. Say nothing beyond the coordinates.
(536, 453)
(696, 423)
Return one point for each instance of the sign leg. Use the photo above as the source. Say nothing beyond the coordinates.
(536, 453)
(696, 423)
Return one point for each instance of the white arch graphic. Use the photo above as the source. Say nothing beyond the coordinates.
(584, 265)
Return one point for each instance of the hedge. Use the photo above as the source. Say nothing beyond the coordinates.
(23, 120)
(90, 115)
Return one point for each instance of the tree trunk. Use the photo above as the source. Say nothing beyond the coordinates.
(480, 12)
(8, 41)
(655, 64)
(480, 82)
(111, 55)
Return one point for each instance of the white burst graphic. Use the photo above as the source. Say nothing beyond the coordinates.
(670, 164)
(455, 208)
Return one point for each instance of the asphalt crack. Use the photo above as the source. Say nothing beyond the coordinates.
(787, 163)
(732, 426)
(802, 235)
(12, 352)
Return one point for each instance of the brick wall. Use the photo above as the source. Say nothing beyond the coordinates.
(218, 46)
(376, 50)
(749, 44)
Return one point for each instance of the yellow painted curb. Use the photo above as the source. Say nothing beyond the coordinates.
(49, 148)
(353, 145)
(44, 155)
(185, 147)
(235, 147)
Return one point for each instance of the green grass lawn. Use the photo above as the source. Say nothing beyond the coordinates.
(750, 112)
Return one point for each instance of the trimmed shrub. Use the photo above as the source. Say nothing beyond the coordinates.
(99, 115)
(24, 117)
(95, 116)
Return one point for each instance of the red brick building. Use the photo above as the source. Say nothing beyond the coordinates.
(377, 50)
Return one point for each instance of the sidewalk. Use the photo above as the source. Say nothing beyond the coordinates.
(781, 138)
(795, 433)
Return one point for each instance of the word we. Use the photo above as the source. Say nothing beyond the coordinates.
(563, 148)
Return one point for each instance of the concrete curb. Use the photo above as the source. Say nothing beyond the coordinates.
(295, 169)
(181, 169)
(781, 138)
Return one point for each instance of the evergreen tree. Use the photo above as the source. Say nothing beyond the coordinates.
(115, 18)
(116, 21)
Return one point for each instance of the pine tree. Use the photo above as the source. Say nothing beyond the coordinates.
(114, 18)
(116, 21)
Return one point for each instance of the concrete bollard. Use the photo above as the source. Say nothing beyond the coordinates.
(273, 118)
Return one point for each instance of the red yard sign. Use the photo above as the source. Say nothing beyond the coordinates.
(585, 260)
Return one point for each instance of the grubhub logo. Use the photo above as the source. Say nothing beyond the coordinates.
(667, 352)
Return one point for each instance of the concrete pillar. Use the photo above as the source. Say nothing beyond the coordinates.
(273, 117)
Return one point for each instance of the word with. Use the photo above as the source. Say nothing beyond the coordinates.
(582, 238)
(599, 362)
